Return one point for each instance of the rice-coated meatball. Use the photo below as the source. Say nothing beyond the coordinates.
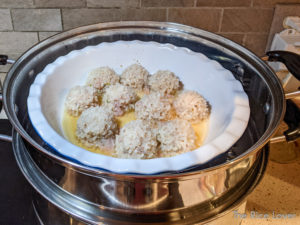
(102, 76)
(96, 124)
(119, 98)
(154, 106)
(175, 137)
(164, 81)
(191, 106)
(137, 140)
(135, 76)
(80, 98)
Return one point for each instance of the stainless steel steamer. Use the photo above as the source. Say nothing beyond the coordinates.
(54, 205)
(192, 196)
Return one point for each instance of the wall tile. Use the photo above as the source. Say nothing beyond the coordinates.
(144, 14)
(113, 3)
(167, 3)
(16, 42)
(37, 19)
(59, 3)
(2, 77)
(247, 20)
(238, 38)
(44, 35)
(271, 3)
(5, 68)
(16, 3)
(5, 20)
(256, 43)
(223, 3)
(208, 19)
(78, 17)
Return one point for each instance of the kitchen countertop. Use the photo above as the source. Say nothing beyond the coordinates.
(278, 194)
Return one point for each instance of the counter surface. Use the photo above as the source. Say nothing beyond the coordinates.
(277, 196)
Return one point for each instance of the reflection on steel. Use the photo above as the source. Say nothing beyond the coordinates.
(152, 194)
(139, 196)
(277, 139)
(292, 95)
(4, 137)
(10, 61)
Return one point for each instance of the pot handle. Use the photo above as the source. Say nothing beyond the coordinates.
(292, 119)
(290, 59)
(3, 61)
(292, 116)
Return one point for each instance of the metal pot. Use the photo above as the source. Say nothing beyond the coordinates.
(92, 195)
(163, 200)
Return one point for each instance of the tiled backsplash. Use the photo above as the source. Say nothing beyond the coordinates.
(26, 22)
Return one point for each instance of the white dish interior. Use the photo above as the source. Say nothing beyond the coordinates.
(229, 103)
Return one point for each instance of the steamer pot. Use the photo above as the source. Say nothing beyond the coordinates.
(53, 205)
(92, 195)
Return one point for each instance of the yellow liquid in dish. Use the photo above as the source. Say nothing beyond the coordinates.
(200, 131)
(69, 124)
